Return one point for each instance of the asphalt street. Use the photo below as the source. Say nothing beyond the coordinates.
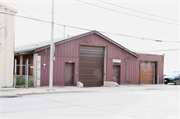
(151, 103)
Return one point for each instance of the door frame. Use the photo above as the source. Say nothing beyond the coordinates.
(117, 64)
(104, 74)
(73, 83)
(154, 72)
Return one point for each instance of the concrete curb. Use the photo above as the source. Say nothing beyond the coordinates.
(55, 92)
(6, 89)
(38, 93)
(9, 96)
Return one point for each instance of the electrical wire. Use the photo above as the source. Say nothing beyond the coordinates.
(139, 37)
(90, 29)
(98, 21)
(127, 13)
(34, 17)
(138, 11)
(159, 50)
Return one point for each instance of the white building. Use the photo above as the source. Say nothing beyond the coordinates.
(7, 43)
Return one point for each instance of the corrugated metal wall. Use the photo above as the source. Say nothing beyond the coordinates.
(149, 57)
(160, 71)
(69, 51)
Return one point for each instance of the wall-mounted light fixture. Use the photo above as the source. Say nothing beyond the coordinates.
(44, 65)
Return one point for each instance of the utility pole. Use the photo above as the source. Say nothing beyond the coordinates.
(51, 51)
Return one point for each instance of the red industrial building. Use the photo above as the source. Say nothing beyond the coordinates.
(92, 58)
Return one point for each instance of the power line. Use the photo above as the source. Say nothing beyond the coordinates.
(127, 13)
(32, 16)
(138, 11)
(98, 21)
(160, 50)
(157, 40)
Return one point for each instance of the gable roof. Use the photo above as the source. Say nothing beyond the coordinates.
(34, 46)
(44, 45)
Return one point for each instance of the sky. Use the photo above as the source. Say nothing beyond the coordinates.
(114, 19)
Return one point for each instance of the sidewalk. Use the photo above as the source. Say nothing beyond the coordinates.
(16, 92)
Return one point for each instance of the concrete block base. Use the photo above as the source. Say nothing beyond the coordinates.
(110, 84)
(38, 83)
(79, 84)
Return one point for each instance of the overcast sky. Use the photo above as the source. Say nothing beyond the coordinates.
(120, 21)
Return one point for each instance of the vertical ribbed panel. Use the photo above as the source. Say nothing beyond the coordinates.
(160, 71)
(149, 57)
(69, 51)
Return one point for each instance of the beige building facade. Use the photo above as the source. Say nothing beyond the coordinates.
(7, 45)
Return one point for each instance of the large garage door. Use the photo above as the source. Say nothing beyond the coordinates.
(147, 71)
(91, 65)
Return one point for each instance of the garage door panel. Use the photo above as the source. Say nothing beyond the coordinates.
(149, 71)
(91, 62)
(89, 65)
(91, 53)
(146, 82)
(96, 59)
(146, 72)
(93, 81)
(90, 76)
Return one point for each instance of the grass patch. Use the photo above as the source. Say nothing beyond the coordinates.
(20, 83)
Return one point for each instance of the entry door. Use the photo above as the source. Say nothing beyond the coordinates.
(69, 74)
(116, 73)
(147, 72)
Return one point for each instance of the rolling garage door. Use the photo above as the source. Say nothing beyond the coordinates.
(147, 71)
(91, 60)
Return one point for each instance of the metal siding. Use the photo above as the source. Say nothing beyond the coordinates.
(47, 70)
(149, 57)
(123, 75)
(108, 71)
(160, 70)
(42, 72)
(58, 71)
(133, 72)
(55, 73)
(42, 75)
(69, 51)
